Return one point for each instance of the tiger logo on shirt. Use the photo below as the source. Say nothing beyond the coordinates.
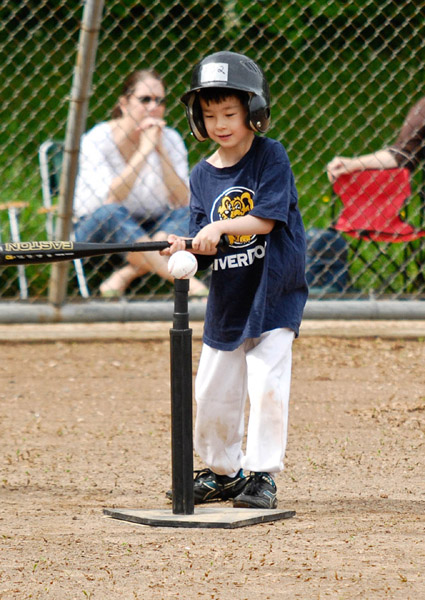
(232, 203)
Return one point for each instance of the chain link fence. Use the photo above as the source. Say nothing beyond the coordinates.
(342, 77)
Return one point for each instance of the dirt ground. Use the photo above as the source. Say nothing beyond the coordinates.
(86, 425)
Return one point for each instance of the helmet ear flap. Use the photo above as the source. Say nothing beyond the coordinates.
(259, 113)
(195, 118)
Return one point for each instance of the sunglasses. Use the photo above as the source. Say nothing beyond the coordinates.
(159, 101)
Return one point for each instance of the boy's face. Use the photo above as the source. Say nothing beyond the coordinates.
(225, 121)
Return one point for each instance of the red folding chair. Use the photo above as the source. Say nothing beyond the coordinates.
(373, 204)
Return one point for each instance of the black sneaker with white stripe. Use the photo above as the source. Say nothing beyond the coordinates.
(259, 492)
(210, 487)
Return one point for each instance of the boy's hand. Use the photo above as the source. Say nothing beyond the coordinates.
(176, 243)
(198, 245)
(207, 240)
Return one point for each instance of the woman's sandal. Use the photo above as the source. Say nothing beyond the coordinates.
(111, 294)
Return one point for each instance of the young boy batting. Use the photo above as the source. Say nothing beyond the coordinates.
(258, 291)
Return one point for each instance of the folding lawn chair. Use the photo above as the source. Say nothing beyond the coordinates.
(373, 204)
(13, 209)
(50, 156)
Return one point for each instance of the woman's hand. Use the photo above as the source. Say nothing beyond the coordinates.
(340, 165)
(150, 135)
(381, 159)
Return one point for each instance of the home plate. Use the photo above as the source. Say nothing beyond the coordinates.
(223, 518)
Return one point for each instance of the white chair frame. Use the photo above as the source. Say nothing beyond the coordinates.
(50, 210)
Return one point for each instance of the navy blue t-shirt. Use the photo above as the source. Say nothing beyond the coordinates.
(258, 284)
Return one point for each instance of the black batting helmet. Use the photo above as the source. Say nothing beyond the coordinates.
(233, 71)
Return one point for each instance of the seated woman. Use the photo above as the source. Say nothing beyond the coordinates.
(408, 150)
(132, 184)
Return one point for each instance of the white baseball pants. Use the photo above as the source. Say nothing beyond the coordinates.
(261, 370)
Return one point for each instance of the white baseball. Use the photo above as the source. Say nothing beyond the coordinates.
(182, 265)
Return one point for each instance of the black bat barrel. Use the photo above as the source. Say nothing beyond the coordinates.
(29, 253)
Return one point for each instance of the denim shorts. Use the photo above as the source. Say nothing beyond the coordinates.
(113, 223)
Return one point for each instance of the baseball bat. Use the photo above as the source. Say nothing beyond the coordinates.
(34, 253)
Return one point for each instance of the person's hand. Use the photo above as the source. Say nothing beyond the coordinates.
(176, 243)
(338, 166)
(150, 134)
(206, 241)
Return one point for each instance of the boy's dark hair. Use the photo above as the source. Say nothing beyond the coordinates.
(218, 94)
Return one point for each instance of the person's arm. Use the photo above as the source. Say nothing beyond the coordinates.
(207, 239)
(179, 193)
(122, 185)
(409, 148)
(175, 167)
(407, 151)
(94, 172)
(382, 159)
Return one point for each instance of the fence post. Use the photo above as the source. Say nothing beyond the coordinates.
(80, 93)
